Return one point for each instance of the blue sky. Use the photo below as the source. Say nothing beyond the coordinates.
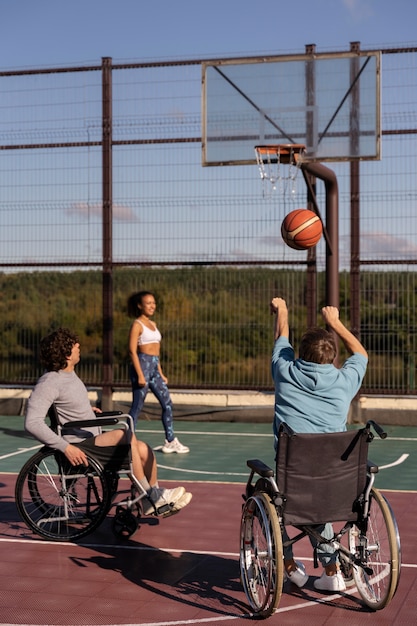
(53, 33)
(37, 33)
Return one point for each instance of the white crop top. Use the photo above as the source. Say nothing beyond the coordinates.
(148, 336)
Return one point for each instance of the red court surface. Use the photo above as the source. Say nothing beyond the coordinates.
(180, 570)
(184, 569)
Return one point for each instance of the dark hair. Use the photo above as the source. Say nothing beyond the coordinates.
(135, 301)
(318, 346)
(55, 349)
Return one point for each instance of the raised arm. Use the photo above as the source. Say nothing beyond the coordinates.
(279, 308)
(331, 317)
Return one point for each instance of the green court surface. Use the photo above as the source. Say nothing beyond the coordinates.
(219, 450)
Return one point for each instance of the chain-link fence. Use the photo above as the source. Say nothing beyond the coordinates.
(103, 193)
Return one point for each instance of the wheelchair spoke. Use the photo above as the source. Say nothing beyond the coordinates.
(261, 554)
(61, 505)
(378, 553)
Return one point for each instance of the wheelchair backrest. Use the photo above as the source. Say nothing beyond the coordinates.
(321, 476)
(53, 418)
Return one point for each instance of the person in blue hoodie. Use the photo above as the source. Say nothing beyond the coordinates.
(312, 395)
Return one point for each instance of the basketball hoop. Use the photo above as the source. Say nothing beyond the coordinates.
(270, 160)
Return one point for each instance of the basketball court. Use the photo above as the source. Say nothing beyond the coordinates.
(184, 569)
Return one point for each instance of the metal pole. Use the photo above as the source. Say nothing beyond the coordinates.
(310, 78)
(332, 227)
(107, 194)
(354, 199)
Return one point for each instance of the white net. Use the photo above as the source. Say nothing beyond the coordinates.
(278, 167)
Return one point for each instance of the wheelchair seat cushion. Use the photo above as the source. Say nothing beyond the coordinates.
(321, 475)
(112, 458)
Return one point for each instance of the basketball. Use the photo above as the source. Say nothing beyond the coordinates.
(301, 229)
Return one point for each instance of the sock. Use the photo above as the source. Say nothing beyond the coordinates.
(154, 494)
(145, 484)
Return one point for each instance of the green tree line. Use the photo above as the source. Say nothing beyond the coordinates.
(215, 321)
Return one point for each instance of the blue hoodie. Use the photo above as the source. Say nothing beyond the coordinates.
(313, 398)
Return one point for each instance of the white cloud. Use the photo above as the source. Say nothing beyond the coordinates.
(120, 213)
(359, 10)
(387, 246)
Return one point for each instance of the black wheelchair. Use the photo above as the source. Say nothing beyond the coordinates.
(61, 502)
(319, 478)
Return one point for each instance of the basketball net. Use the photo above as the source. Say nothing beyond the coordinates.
(279, 166)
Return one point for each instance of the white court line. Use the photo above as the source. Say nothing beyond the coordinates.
(400, 460)
(255, 435)
(19, 451)
(194, 471)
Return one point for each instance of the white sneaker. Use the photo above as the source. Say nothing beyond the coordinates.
(174, 446)
(298, 576)
(165, 499)
(330, 583)
(183, 501)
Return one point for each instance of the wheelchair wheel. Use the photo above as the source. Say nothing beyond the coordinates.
(261, 557)
(58, 501)
(380, 553)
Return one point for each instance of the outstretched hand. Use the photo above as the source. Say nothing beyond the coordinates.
(330, 315)
(277, 305)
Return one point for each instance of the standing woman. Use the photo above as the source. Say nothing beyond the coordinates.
(145, 370)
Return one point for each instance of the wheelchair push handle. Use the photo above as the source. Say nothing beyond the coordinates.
(377, 428)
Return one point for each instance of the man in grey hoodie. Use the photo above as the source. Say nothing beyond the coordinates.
(60, 386)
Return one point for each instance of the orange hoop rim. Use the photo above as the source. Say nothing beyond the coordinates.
(288, 152)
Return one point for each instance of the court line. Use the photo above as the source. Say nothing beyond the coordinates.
(19, 451)
(193, 471)
(240, 434)
(400, 460)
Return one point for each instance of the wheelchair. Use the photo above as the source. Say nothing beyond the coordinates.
(307, 493)
(61, 502)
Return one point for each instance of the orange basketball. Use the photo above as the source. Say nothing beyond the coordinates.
(301, 229)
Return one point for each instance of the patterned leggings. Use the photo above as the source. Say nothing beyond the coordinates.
(159, 388)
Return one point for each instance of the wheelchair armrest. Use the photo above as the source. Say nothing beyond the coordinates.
(123, 419)
(105, 421)
(260, 468)
(372, 467)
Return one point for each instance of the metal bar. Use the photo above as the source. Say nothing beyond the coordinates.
(107, 184)
(355, 316)
(310, 79)
(332, 226)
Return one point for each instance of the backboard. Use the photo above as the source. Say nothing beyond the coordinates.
(329, 102)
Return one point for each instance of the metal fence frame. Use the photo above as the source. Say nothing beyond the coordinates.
(107, 143)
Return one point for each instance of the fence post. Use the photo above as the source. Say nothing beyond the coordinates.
(107, 216)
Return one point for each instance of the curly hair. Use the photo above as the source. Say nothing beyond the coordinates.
(135, 300)
(318, 345)
(55, 348)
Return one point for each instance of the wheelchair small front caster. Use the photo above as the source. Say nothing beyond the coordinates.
(124, 524)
